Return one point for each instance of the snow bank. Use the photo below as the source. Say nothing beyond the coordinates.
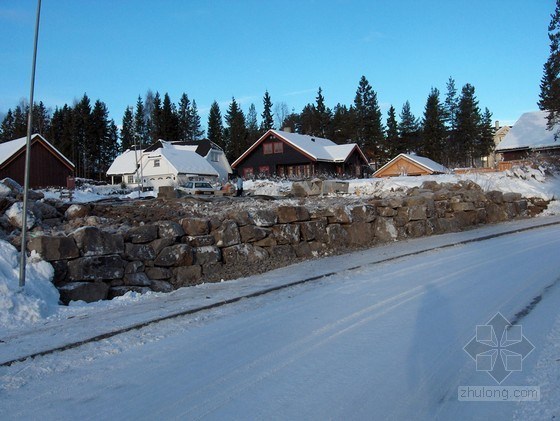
(527, 181)
(267, 187)
(4, 190)
(15, 215)
(39, 298)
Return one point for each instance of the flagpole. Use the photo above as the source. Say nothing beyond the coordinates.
(28, 154)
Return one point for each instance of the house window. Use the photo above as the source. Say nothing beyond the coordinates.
(130, 179)
(278, 147)
(247, 172)
(156, 162)
(264, 170)
(267, 148)
(214, 156)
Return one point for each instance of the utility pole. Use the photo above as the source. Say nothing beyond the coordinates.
(28, 155)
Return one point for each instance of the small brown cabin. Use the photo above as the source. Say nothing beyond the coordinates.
(409, 164)
(48, 166)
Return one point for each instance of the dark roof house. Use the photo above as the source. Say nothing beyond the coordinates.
(49, 167)
(286, 154)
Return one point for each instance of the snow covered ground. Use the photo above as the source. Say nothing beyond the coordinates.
(371, 341)
(32, 321)
(40, 299)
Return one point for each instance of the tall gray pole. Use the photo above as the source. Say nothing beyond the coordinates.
(28, 154)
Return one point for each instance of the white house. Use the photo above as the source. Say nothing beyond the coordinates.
(162, 164)
(209, 151)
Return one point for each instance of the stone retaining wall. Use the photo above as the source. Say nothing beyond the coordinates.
(91, 264)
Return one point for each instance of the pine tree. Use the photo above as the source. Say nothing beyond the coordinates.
(253, 132)
(196, 129)
(468, 126)
(61, 131)
(141, 137)
(168, 120)
(81, 139)
(267, 122)
(392, 133)
(148, 113)
(408, 130)
(215, 126)
(550, 82)
(450, 106)
(322, 115)
(98, 139)
(41, 119)
(485, 144)
(156, 131)
(236, 140)
(342, 124)
(110, 149)
(20, 121)
(433, 128)
(293, 122)
(127, 130)
(183, 118)
(7, 129)
(307, 120)
(369, 128)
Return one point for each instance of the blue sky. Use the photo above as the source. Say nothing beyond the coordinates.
(213, 50)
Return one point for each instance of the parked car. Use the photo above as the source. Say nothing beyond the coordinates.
(198, 187)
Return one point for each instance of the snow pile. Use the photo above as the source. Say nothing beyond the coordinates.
(4, 190)
(268, 187)
(39, 298)
(15, 215)
(527, 181)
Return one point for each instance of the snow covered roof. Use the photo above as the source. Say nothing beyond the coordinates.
(529, 132)
(8, 149)
(125, 163)
(183, 158)
(186, 161)
(426, 163)
(317, 148)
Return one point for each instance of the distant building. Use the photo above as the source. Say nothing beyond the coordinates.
(49, 167)
(286, 154)
(528, 136)
(410, 165)
(491, 161)
(162, 164)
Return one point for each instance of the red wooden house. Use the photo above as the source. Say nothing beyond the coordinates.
(288, 154)
(48, 166)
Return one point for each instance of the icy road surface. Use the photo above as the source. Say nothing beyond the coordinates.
(382, 341)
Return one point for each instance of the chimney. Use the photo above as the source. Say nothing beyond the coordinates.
(287, 129)
(497, 125)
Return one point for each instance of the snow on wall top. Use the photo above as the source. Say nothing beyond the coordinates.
(529, 132)
(125, 163)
